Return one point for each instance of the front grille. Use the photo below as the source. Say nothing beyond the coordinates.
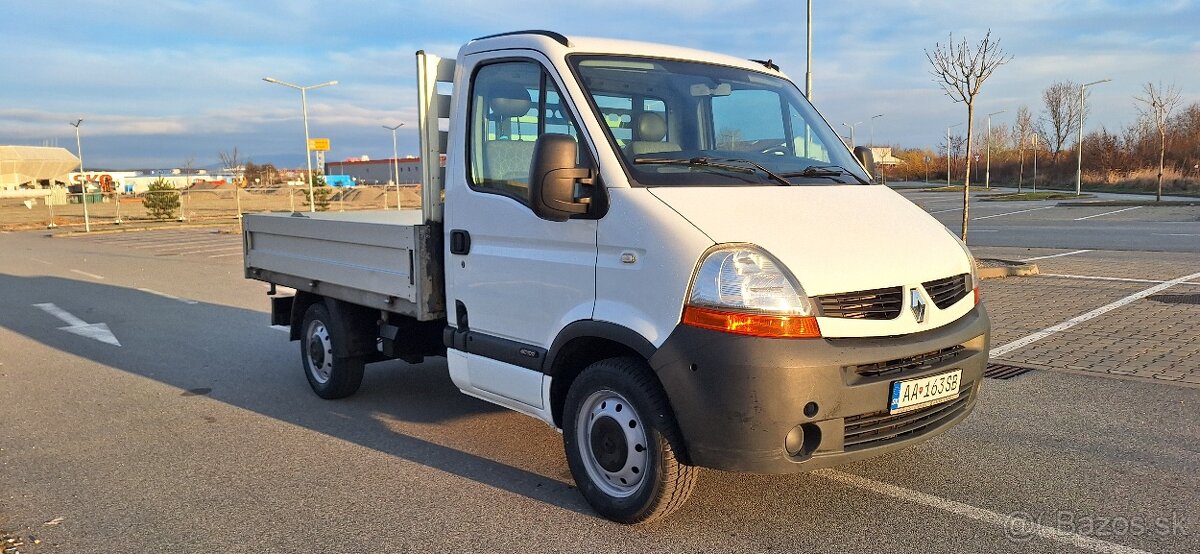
(880, 428)
(945, 292)
(867, 304)
(901, 365)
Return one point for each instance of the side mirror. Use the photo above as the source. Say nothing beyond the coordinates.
(866, 159)
(553, 176)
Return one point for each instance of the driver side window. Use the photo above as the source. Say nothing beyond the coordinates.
(512, 105)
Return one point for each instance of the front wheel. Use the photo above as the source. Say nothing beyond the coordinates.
(618, 433)
(330, 376)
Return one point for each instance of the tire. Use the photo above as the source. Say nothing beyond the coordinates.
(619, 432)
(329, 376)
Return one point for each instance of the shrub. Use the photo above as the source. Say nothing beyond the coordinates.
(161, 199)
(321, 193)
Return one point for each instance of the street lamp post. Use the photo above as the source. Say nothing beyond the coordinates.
(808, 54)
(1035, 149)
(87, 222)
(873, 118)
(987, 175)
(808, 76)
(395, 165)
(852, 126)
(1079, 135)
(312, 205)
(948, 152)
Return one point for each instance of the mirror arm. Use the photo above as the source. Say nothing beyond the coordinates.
(581, 176)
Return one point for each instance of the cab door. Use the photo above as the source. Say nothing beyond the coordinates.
(513, 279)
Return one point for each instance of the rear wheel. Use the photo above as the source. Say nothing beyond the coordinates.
(618, 432)
(329, 376)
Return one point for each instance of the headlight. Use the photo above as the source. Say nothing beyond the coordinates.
(742, 289)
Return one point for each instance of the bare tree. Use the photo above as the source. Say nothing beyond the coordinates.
(231, 161)
(961, 71)
(1062, 111)
(233, 164)
(729, 138)
(1022, 130)
(1157, 104)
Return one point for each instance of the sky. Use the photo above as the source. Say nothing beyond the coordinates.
(160, 83)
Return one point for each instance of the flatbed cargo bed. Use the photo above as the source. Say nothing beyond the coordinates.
(390, 260)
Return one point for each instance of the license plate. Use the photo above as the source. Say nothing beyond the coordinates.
(914, 394)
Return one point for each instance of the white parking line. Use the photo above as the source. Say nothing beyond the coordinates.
(204, 250)
(1121, 279)
(165, 295)
(41, 261)
(1176, 235)
(1107, 213)
(1055, 255)
(92, 275)
(1016, 212)
(137, 237)
(1014, 527)
(1030, 339)
(178, 244)
(283, 328)
(944, 211)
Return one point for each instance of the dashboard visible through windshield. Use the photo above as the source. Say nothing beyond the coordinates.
(677, 123)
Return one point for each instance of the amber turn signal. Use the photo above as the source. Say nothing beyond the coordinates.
(755, 325)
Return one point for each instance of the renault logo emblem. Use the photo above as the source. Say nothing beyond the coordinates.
(917, 304)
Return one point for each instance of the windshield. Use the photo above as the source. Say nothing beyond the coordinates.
(696, 124)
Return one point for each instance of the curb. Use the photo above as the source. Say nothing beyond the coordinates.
(69, 234)
(1059, 197)
(994, 268)
(1073, 204)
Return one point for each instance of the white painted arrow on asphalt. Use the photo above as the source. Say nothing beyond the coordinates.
(98, 331)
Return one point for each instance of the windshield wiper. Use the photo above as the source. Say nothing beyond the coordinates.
(705, 161)
(830, 171)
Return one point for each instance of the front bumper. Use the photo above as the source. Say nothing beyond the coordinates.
(737, 398)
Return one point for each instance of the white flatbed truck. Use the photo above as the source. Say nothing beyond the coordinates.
(665, 253)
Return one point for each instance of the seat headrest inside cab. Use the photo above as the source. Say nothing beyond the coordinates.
(509, 99)
(651, 127)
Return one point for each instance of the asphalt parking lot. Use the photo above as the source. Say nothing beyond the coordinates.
(1055, 224)
(197, 432)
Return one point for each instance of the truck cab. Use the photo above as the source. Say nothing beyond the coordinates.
(670, 256)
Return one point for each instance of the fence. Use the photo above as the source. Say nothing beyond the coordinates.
(191, 205)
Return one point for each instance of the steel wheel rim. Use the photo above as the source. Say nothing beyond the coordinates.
(319, 352)
(616, 462)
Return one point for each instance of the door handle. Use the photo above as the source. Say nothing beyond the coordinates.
(460, 242)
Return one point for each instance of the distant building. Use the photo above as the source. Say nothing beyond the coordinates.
(884, 159)
(103, 181)
(34, 167)
(883, 156)
(377, 172)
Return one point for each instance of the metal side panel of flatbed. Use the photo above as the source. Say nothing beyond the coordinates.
(390, 260)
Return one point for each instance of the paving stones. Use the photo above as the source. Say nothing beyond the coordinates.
(1152, 338)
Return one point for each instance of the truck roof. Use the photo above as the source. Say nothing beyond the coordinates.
(556, 44)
